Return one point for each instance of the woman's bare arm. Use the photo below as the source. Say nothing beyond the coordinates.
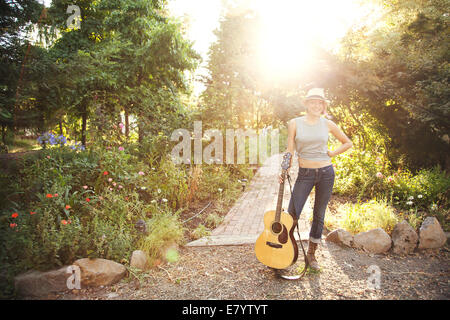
(337, 132)
(290, 142)
(291, 138)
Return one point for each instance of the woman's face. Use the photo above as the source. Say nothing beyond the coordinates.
(315, 106)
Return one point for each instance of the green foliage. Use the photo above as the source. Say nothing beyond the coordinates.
(393, 79)
(200, 232)
(362, 217)
(164, 228)
(213, 220)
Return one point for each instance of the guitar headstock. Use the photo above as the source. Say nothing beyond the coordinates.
(286, 161)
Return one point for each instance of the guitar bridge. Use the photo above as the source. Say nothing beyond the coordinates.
(274, 245)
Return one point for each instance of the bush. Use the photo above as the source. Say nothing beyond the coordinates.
(163, 228)
(361, 217)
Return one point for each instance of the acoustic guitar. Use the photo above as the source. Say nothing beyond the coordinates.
(276, 246)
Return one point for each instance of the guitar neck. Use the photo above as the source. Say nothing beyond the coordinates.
(280, 198)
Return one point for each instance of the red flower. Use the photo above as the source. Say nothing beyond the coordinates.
(69, 221)
(64, 222)
(87, 199)
(32, 212)
(55, 195)
(105, 173)
(13, 225)
(15, 215)
(68, 207)
(49, 195)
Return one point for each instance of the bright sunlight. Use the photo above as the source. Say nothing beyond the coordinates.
(292, 29)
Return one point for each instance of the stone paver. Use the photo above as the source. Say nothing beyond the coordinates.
(244, 222)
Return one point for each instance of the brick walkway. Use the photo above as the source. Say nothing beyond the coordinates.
(244, 222)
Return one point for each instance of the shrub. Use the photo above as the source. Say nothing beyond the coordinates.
(362, 217)
(163, 228)
(200, 232)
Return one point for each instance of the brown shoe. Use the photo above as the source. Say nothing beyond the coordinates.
(310, 255)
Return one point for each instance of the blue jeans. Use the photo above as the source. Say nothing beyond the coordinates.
(323, 180)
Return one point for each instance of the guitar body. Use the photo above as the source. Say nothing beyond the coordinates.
(276, 246)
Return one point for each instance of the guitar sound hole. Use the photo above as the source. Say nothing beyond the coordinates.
(277, 227)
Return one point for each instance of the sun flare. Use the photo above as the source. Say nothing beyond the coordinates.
(291, 30)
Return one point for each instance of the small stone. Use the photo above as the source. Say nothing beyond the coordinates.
(373, 241)
(98, 272)
(341, 237)
(404, 238)
(139, 260)
(431, 234)
(38, 284)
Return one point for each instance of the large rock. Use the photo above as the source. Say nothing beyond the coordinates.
(431, 234)
(40, 284)
(374, 241)
(341, 237)
(139, 260)
(404, 238)
(100, 272)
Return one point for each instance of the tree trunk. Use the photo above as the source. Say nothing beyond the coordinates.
(127, 124)
(83, 126)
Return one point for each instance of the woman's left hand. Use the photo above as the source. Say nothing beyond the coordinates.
(330, 153)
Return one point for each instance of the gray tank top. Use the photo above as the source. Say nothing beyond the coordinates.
(311, 140)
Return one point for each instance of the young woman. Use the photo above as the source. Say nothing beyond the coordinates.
(308, 136)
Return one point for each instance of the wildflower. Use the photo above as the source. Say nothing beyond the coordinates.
(48, 157)
(159, 190)
(114, 184)
(126, 198)
(419, 196)
(110, 189)
(14, 215)
(68, 207)
(87, 199)
(110, 179)
(141, 173)
(121, 125)
(13, 225)
(434, 206)
(153, 201)
(105, 173)
(69, 221)
(153, 168)
(220, 189)
(143, 188)
(390, 179)
(64, 222)
(55, 195)
(121, 148)
(49, 195)
(85, 187)
(409, 203)
(164, 200)
(32, 212)
(120, 187)
(379, 175)
(410, 198)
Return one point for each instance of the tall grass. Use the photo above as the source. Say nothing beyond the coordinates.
(369, 215)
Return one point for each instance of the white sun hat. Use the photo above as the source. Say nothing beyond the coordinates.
(316, 93)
